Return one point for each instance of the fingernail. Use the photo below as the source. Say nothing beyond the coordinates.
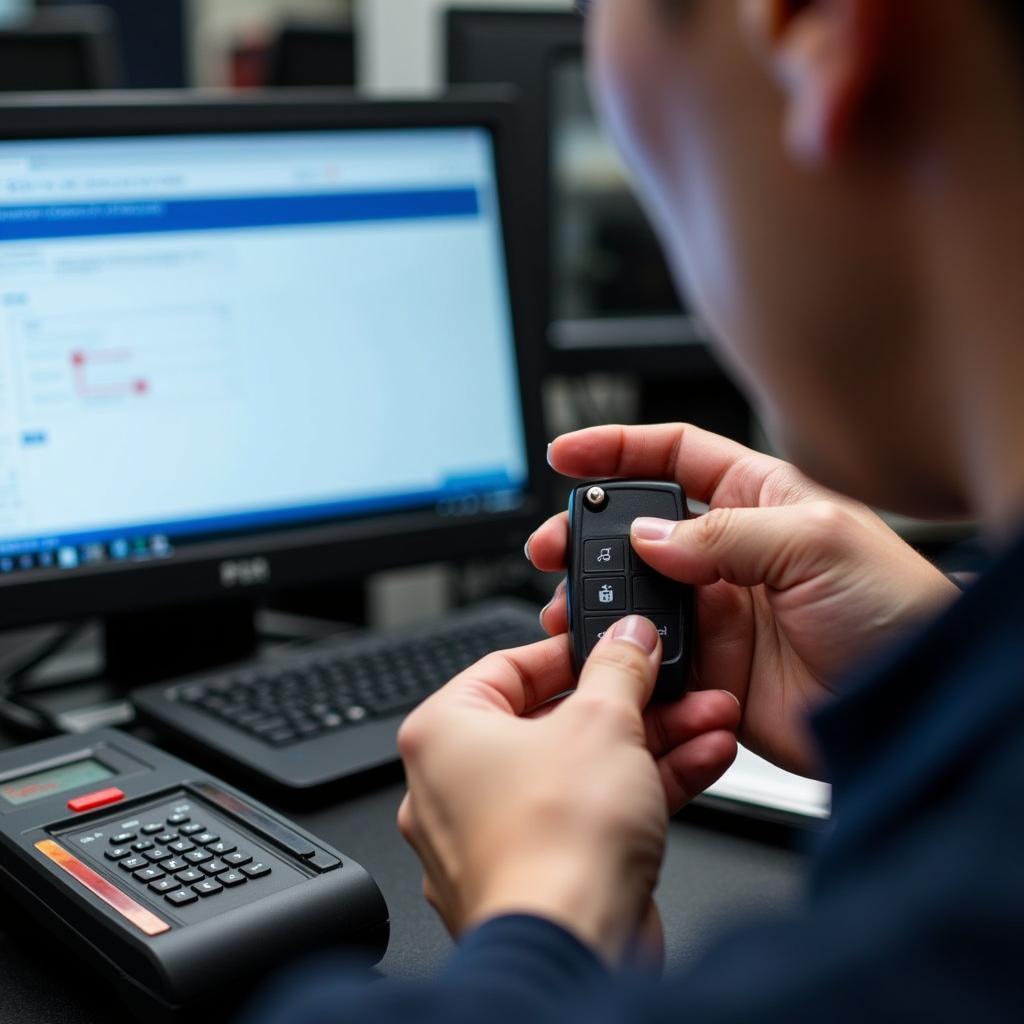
(637, 630)
(548, 456)
(526, 548)
(653, 529)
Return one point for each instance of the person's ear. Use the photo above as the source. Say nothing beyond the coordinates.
(827, 56)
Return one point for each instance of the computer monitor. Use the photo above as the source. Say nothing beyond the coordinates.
(313, 55)
(608, 296)
(253, 344)
(60, 50)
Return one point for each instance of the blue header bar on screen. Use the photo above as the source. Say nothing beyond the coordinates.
(83, 220)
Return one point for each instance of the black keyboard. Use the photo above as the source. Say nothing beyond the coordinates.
(331, 710)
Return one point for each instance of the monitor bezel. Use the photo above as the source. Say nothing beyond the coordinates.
(338, 551)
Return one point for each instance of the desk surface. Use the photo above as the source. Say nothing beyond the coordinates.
(716, 872)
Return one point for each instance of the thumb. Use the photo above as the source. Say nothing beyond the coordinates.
(623, 667)
(779, 547)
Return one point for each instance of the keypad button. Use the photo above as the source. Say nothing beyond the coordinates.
(117, 852)
(220, 848)
(198, 857)
(605, 594)
(604, 556)
(668, 629)
(594, 629)
(205, 837)
(152, 830)
(257, 870)
(179, 818)
(166, 837)
(123, 838)
(150, 874)
(156, 855)
(323, 862)
(181, 846)
(237, 859)
(655, 593)
(190, 875)
(208, 887)
(174, 864)
(165, 884)
(232, 878)
(133, 863)
(181, 897)
(640, 566)
(214, 867)
(192, 828)
(142, 846)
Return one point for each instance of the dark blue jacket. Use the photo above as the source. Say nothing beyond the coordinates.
(915, 907)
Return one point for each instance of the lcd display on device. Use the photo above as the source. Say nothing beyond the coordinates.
(54, 780)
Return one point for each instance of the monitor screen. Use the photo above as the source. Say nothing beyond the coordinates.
(209, 336)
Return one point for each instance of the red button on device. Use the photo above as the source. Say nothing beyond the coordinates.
(91, 801)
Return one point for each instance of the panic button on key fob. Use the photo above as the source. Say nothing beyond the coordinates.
(608, 580)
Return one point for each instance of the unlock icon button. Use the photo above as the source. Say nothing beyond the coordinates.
(605, 595)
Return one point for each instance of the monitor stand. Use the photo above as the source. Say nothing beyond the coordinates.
(83, 677)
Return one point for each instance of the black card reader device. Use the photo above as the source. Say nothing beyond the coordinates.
(607, 579)
(176, 885)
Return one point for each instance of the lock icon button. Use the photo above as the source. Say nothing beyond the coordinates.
(605, 595)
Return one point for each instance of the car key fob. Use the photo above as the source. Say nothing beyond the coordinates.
(608, 580)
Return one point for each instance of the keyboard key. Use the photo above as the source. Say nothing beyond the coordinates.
(214, 867)
(156, 855)
(205, 837)
(165, 884)
(174, 864)
(150, 874)
(123, 838)
(190, 875)
(323, 862)
(133, 863)
(142, 846)
(181, 897)
(257, 870)
(181, 846)
(191, 829)
(153, 829)
(237, 859)
(180, 818)
(220, 848)
(166, 837)
(117, 852)
(208, 887)
(232, 878)
(198, 857)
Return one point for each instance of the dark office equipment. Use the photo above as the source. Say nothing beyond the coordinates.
(153, 35)
(60, 50)
(309, 719)
(292, 357)
(607, 580)
(167, 881)
(313, 55)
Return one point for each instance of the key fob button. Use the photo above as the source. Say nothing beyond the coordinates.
(594, 628)
(668, 629)
(604, 556)
(605, 595)
(654, 593)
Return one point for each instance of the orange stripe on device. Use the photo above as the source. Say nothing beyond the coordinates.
(146, 921)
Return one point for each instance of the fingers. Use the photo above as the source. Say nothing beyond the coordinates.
(555, 616)
(710, 468)
(671, 725)
(622, 669)
(512, 681)
(779, 547)
(547, 547)
(689, 769)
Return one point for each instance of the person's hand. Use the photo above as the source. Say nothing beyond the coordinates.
(520, 805)
(796, 583)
